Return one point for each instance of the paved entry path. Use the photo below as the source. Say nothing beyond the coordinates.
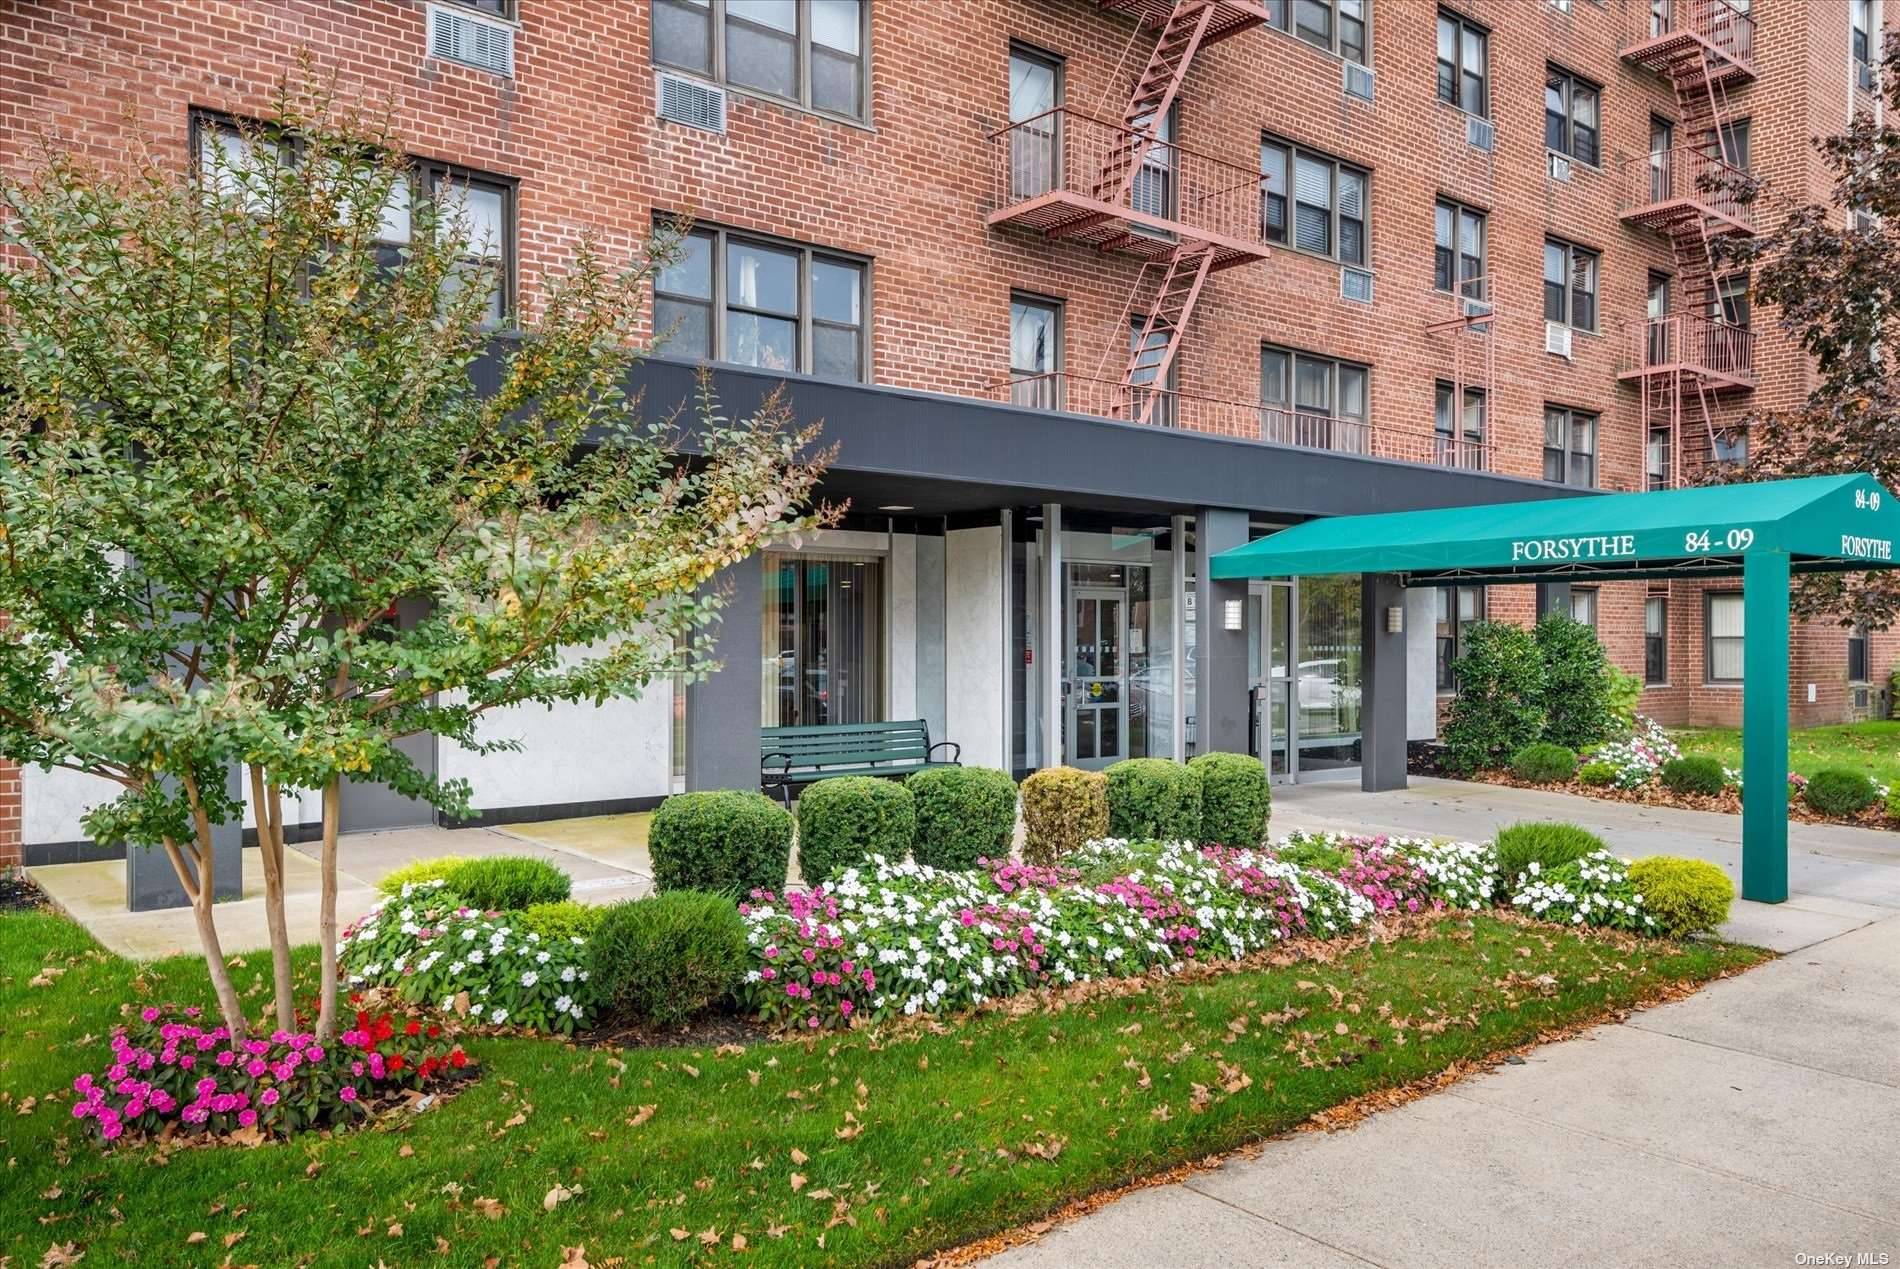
(1747, 1125)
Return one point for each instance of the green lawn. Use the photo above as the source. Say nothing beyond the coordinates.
(1872, 747)
(849, 1149)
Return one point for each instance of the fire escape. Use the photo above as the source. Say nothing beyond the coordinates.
(1693, 189)
(1126, 187)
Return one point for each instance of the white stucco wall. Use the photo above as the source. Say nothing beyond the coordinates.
(973, 645)
(1421, 664)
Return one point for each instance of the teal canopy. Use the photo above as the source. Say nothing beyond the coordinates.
(1819, 522)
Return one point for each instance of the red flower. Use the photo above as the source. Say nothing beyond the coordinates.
(458, 1059)
(395, 1062)
(413, 1028)
(434, 1031)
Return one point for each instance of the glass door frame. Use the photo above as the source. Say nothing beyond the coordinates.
(1265, 685)
(1071, 681)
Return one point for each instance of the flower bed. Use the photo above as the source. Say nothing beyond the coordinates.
(1595, 890)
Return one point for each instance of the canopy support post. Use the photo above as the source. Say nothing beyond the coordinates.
(1382, 722)
(1222, 703)
(1765, 726)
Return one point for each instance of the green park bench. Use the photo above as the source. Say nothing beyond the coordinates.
(790, 757)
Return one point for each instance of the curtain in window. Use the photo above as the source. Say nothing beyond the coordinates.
(1725, 637)
(1313, 213)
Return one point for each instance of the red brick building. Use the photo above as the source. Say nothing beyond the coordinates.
(1311, 227)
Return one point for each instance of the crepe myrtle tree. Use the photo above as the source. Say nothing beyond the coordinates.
(238, 429)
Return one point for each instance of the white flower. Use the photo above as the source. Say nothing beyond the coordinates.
(529, 978)
(497, 1015)
(561, 1003)
(541, 958)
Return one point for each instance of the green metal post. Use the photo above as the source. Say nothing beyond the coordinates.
(1765, 726)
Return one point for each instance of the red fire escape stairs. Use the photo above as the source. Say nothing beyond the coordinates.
(1164, 320)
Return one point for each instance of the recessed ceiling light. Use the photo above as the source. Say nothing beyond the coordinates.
(896, 506)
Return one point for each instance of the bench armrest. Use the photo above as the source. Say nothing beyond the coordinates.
(956, 757)
(780, 779)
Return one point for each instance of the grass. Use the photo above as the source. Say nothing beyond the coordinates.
(849, 1149)
(1871, 747)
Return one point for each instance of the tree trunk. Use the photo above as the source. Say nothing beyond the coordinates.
(269, 799)
(326, 916)
(198, 889)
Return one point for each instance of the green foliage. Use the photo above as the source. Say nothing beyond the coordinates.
(1544, 763)
(1545, 843)
(668, 958)
(1596, 775)
(723, 840)
(508, 883)
(1315, 852)
(845, 820)
(563, 920)
(1621, 693)
(963, 814)
(1838, 791)
(1685, 896)
(1893, 803)
(1693, 773)
(1154, 799)
(1235, 798)
(1576, 689)
(1499, 706)
(418, 871)
(1063, 807)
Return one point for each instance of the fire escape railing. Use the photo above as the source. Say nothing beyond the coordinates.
(1702, 345)
(1685, 180)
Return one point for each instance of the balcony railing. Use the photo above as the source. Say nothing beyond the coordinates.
(1108, 399)
(1720, 351)
(1670, 186)
(1068, 175)
(1678, 31)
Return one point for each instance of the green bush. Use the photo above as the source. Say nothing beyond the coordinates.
(1499, 706)
(1621, 693)
(1693, 773)
(722, 840)
(563, 920)
(1576, 691)
(1544, 843)
(508, 883)
(1063, 807)
(845, 820)
(1838, 791)
(1313, 852)
(419, 871)
(1154, 799)
(666, 958)
(1544, 763)
(1596, 775)
(963, 814)
(1685, 896)
(1893, 803)
(1235, 798)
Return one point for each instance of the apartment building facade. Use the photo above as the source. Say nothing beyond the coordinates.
(1086, 289)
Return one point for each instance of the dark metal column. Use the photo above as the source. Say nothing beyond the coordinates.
(1221, 701)
(722, 710)
(1382, 690)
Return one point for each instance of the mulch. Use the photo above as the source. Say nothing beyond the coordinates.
(1728, 801)
(19, 894)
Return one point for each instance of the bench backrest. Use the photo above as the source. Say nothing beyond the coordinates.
(847, 744)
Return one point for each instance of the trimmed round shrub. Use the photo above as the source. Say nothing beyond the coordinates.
(1154, 799)
(1544, 763)
(1545, 843)
(1838, 791)
(963, 814)
(508, 883)
(1576, 695)
(1685, 896)
(1694, 773)
(419, 871)
(845, 820)
(1063, 807)
(723, 840)
(1499, 707)
(1596, 775)
(564, 920)
(668, 958)
(1893, 803)
(1235, 798)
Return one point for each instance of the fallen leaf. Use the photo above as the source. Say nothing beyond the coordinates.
(557, 1196)
(574, 1258)
(776, 1231)
(709, 1238)
(641, 1116)
(61, 1253)
(799, 1156)
(406, 1151)
(493, 1209)
(26, 1108)
(395, 1229)
(798, 1182)
(195, 1237)
(738, 1242)
(690, 1070)
(680, 1235)
(313, 1169)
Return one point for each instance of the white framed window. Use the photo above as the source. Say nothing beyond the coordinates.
(808, 53)
(1315, 203)
(1722, 636)
(1570, 285)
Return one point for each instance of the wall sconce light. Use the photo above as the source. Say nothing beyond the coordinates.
(1395, 620)
(1231, 616)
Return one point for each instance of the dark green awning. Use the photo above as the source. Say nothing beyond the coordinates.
(1821, 522)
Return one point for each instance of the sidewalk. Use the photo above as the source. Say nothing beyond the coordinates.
(1755, 1121)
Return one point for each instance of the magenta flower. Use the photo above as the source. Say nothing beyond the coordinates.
(247, 1117)
(347, 1092)
(268, 1097)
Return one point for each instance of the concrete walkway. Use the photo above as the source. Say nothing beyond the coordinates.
(1753, 1122)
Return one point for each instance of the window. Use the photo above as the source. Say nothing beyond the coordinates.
(1583, 605)
(1571, 124)
(1314, 401)
(503, 9)
(1460, 442)
(1464, 66)
(807, 52)
(1863, 43)
(1458, 607)
(1458, 250)
(779, 306)
(1035, 90)
(1731, 448)
(1338, 26)
(1329, 203)
(1656, 309)
(1662, 139)
(823, 628)
(1656, 639)
(1570, 285)
(1570, 447)
(1722, 629)
(1731, 294)
(1656, 458)
(1144, 378)
(1857, 649)
(1035, 352)
(1734, 140)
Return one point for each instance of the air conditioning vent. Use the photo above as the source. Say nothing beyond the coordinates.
(1481, 133)
(1359, 81)
(1562, 6)
(692, 103)
(1860, 698)
(456, 35)
(1355, 285)
(1478, 308)
(1557, 339)
(1559, 167)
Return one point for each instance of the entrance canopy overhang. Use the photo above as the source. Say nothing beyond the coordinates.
(1761, 532)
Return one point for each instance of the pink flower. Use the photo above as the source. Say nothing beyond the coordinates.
(347, 1092)
(149, 1013)
(268, 1097)
(845, 1007)
(810, 955)
(247, 1117)
(255, 1067)
(111, 1130)
(768, 973)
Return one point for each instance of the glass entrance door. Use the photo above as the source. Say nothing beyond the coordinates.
(1268, 674)
(1094, 686)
